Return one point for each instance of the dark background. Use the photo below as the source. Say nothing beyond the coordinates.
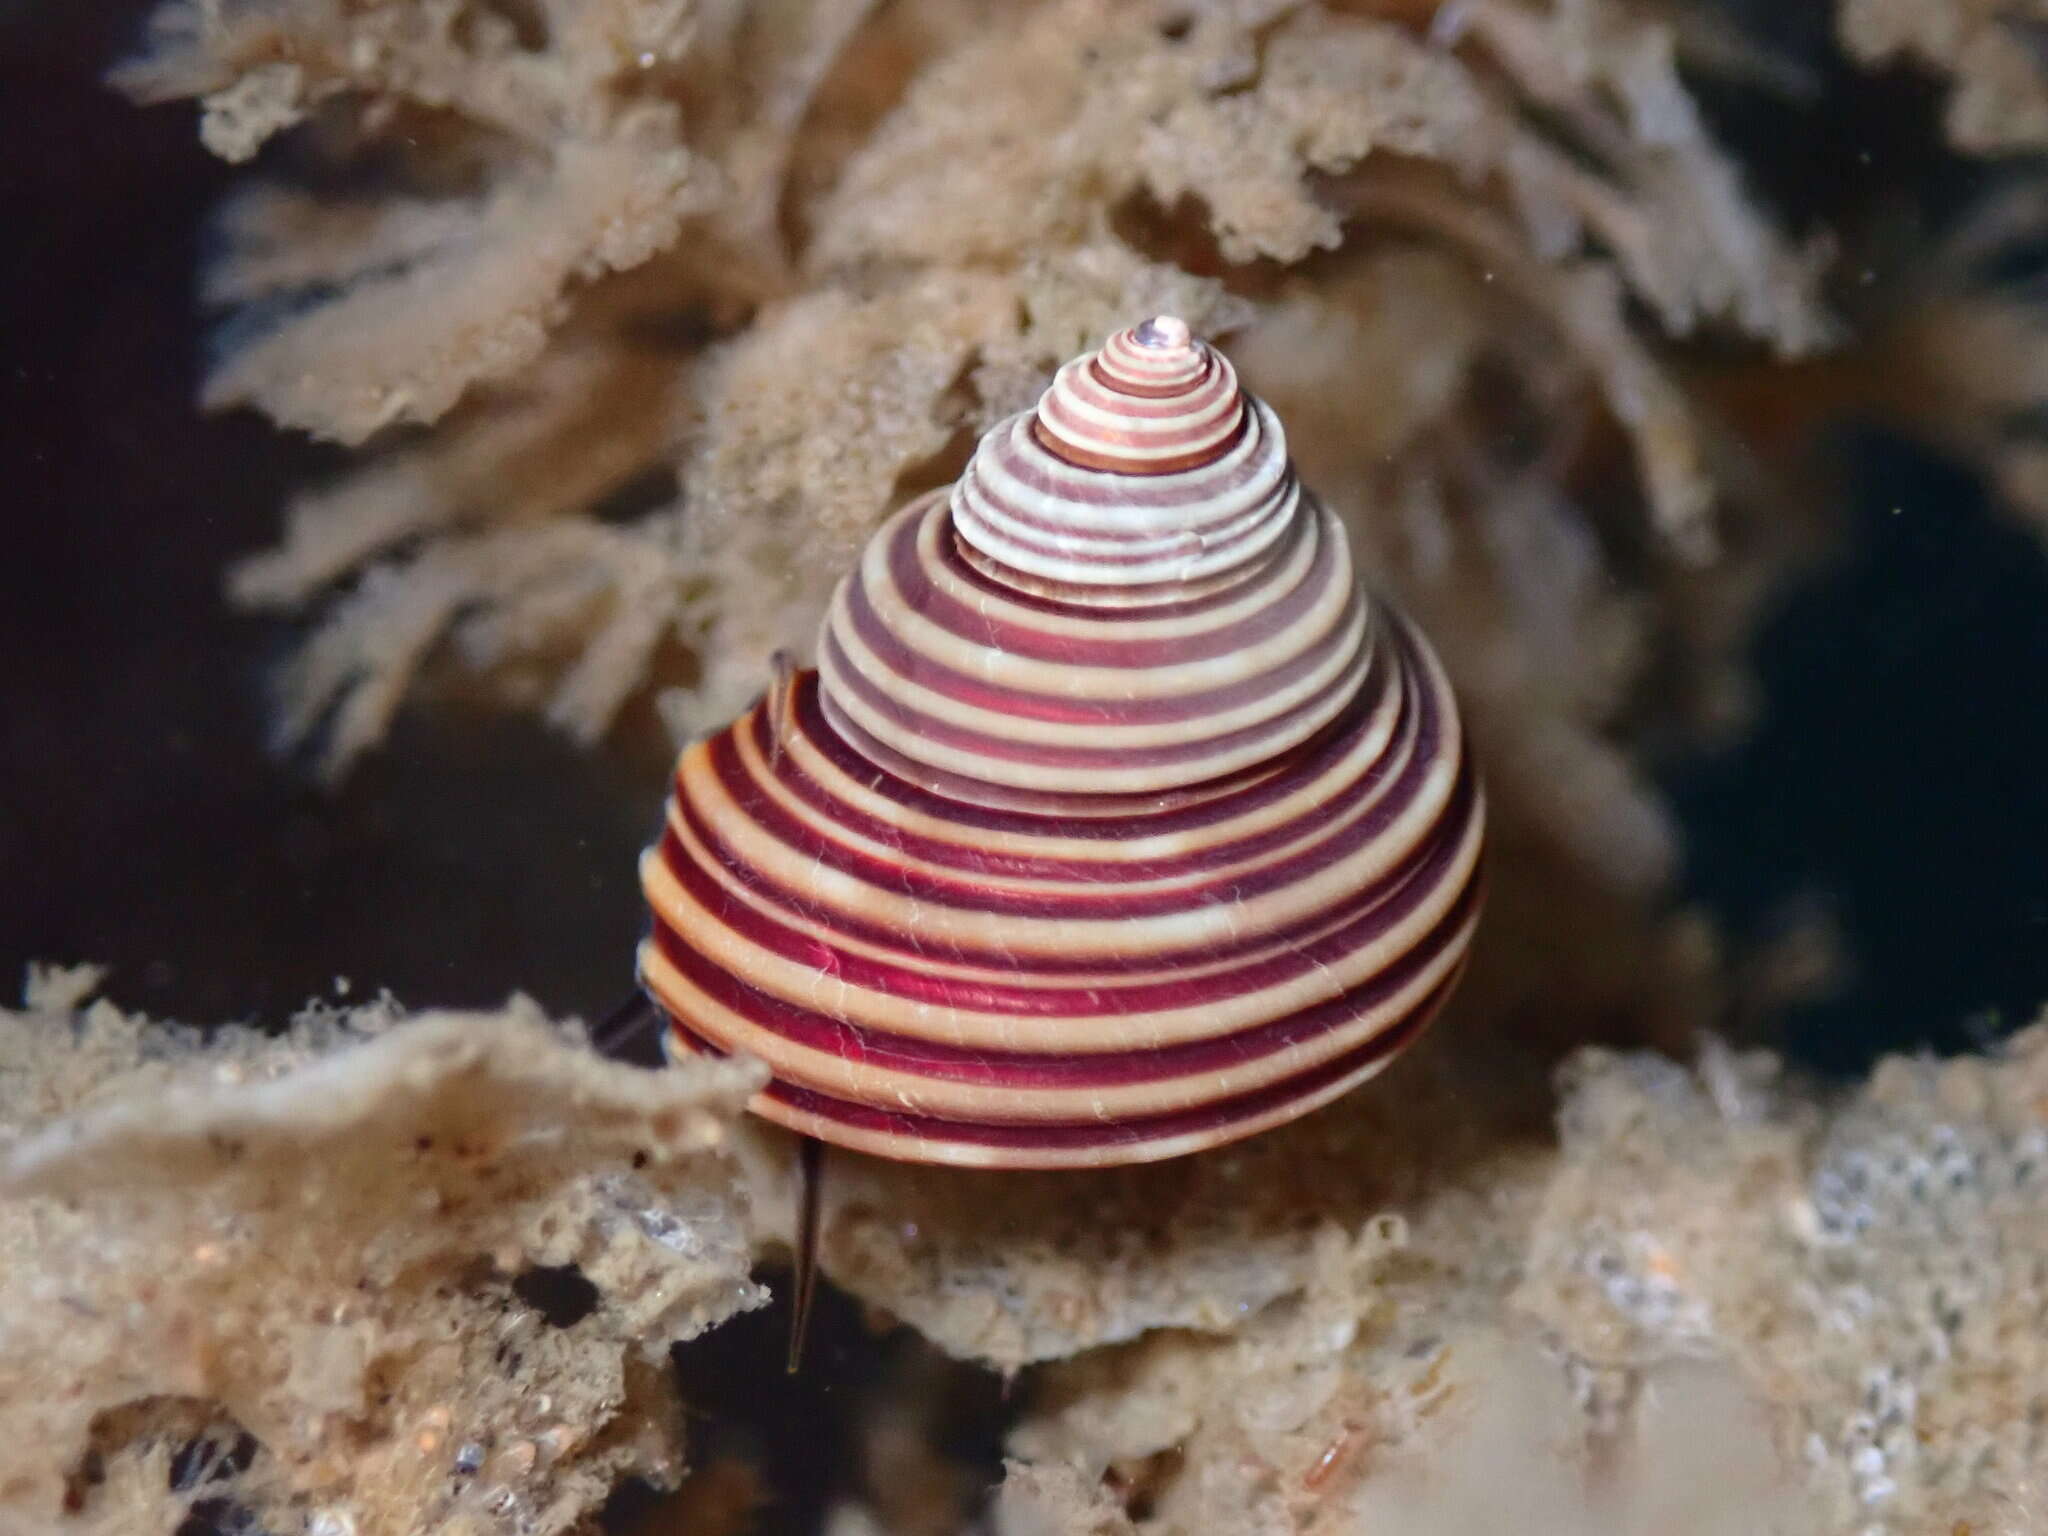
(146, 824)
(1896, 770)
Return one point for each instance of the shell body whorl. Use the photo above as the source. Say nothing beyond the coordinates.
(1116, 822)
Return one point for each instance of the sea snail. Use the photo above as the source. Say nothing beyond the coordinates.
(1117, 820)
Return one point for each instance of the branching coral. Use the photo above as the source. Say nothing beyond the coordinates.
(1034, 184)
(556, 143)
(1975, 340)
(1991, 49)
(1448, 245)
(292, 1274)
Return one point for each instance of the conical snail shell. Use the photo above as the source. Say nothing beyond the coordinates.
(1116, 822)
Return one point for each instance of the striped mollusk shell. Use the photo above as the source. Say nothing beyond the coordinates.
(1116, 822)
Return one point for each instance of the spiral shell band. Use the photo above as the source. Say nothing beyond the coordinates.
(1023, 877)
(989, 987)
(1144, 471)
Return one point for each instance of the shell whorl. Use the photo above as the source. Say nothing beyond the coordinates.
(1144, 473)
(1127, 591)
(1116, 822)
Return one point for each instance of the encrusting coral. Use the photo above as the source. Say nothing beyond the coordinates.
(287, 1276)
(1725, 1303)
(293, 1274)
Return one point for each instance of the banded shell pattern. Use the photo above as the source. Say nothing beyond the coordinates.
(1117, 820)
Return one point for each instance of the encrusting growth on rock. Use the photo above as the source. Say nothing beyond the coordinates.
(289, 1275)
(300, 1262)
